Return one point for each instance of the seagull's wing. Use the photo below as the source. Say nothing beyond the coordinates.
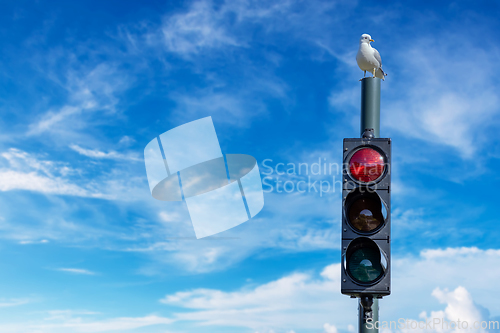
(377, 57)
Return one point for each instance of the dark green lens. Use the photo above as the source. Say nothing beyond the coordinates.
(364, 264)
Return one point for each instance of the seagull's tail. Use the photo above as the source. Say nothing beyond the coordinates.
(380, 73)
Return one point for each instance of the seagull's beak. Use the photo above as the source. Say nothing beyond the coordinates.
(371, 40)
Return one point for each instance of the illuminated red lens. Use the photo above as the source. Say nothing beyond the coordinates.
(366, 165)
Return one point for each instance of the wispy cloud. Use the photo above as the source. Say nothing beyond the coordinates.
(436, 103)
(97, 154)
(42, 241)
(202, 27)
(110, 325)
(15, 180)
(294, 231)
(90, 88)
(205, 26)
(78, 271)
(6, 303)
(81, 321)
(227, 108)
(27, 172)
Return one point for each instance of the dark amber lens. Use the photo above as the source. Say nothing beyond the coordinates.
(365, 214)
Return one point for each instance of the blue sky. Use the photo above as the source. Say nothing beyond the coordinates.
(86, 85)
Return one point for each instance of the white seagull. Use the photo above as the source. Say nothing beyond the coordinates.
(368, 58)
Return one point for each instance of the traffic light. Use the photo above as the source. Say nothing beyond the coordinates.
(366, 217)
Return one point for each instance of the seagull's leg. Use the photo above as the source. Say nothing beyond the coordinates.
(373, 71)
(364, 75)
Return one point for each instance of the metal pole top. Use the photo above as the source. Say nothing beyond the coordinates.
(370, 105)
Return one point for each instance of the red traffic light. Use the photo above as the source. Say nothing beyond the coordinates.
(367, 165)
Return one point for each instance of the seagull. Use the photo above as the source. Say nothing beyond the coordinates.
(368, 58)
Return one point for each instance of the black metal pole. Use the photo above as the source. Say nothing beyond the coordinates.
(370, 127)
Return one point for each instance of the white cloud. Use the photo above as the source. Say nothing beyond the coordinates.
(116, 324)
(7, 303)
(97, 154)
(304, 300)
(299, 300)
(229, 108)
(286, 225)
(42, 241)
(436, 103)
(78, 271)
(460, 314)
(205, 26)
(26, 172)
(14, 180)
(198, 29)
(172, 216)
(330, 328)
(55, 219)
(73, 321)
(457, 251)
(295, 301)
(236, 104)
(89, 88)
(204, 29)
(126, 140)
(53, 227)
(22, 160)
(33, 172)
(52, 118)
(474, 269)
(63, 315)
(459, 305)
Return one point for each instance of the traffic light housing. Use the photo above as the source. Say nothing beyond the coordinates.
(366, 217)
